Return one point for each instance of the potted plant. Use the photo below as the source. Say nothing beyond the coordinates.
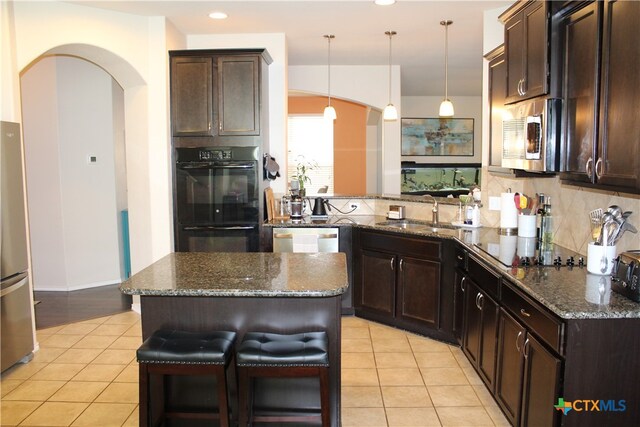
(303, 166)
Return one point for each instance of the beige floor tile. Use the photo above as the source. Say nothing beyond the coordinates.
(497, 416)
(483, 394)
(134, 418)
(464, 417)
(96, 320)
(126, 343)
(60, 341)
(47, 354)
(95, 341)
(454, 395)
(472, 376)
(126, 318)
(386, 332)
(134, 331)
(399, 376)
(79, 391)
(23, 371)
(58, 371)
(443, 376)
(34, 390)
(77, 329)
(130, 374)
(414, 417)
(105, 415)
(439, 359)
(8, 385)
(359, 377)
(78, 355)
(352, 321)
(361, 397)
(358, 360)
(99, 373)
(108, 329)
(119, 393)
(356, 345)
(115, 357)
(363, 417)
(55, 414)
(49, 331)
(406, 397)
(395, 360)
(14, 412)
(425, 345)
(391, 345)
(362, 333)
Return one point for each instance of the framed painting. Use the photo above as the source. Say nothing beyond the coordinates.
(437, 137)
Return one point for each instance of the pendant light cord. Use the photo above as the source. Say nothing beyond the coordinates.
(329, 37)
(390, 34)
(446, 57)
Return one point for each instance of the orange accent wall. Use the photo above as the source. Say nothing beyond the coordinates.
(349, 140)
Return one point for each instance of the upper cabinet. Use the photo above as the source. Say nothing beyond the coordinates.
(601, 130)
(218, 96)
(497, 95)
(526, 38)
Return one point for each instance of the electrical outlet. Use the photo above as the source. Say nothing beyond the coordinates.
(354, 206)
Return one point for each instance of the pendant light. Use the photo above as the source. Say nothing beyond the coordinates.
(446, 107)
(329, 111)
(390, 113)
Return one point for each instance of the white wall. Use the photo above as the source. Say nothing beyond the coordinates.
(367, 85)
(79, 248)
(465, 107)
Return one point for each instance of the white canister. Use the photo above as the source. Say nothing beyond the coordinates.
(526, 246)
(598, 289)
(508, 245)
(600, 259)
(527, 225)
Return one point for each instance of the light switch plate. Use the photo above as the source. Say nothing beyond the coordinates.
(494, 203)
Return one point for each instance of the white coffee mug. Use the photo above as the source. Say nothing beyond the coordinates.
(600, 259)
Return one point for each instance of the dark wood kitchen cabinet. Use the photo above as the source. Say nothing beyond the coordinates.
(526, 39)
(497, 69)
(219, 97)
(397, 280)
(601, 94)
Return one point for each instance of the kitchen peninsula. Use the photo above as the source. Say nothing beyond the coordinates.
(265, 292)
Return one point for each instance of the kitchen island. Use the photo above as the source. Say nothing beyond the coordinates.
(266, 292)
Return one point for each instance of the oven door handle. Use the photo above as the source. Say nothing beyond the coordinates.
(214, 228)
(249, 165)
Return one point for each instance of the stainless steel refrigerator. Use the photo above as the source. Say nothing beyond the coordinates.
(16, 335)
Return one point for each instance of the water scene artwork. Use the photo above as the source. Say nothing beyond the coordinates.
(437, 137)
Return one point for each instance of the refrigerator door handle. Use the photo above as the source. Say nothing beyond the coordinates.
(14, 287)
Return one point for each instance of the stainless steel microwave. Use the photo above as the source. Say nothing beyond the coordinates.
(531, 135)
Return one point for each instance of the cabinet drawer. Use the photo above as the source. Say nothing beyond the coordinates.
(410, 246)
(534, 316)
(461, 258)
(486, 279)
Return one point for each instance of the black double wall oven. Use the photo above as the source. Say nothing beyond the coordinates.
(216, 207)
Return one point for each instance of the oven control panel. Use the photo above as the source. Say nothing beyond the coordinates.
(215, 155)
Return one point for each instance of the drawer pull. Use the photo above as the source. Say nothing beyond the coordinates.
(517, 340)
(524, 313)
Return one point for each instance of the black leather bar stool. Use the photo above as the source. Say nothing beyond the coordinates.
(169, 352)
(274, 355)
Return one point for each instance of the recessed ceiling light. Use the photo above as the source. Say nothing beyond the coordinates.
(218, 15)
(384, 2)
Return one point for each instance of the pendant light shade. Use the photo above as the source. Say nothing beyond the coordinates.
(390, 113)
(446, 107)
(329, 111)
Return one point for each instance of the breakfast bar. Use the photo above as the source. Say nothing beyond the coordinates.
(285, 293)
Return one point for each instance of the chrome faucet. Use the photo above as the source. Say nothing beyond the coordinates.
(434, 211)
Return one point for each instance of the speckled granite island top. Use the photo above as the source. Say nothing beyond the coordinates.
(242, 275)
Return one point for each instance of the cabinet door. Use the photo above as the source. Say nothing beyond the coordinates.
(472, 322)
(535, 27)
(541, 385)
(458, 305)
(239, 101)
(511, 338)
(378, 282)
(192, 96)
(488, 340)
(619, 149)
(497, 96)
(580, 32)
(514, 47)
(418, 291)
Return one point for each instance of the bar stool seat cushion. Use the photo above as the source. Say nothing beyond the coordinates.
(269, 349)
(170, 346)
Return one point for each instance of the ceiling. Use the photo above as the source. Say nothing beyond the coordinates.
(358, 26)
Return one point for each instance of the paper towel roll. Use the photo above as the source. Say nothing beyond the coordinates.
(508, 211)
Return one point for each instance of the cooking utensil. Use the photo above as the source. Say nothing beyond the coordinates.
(596, 214)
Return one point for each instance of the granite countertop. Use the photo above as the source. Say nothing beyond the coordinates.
(250, 274)
(570, 293)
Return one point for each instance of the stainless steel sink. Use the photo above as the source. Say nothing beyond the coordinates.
(417, 226)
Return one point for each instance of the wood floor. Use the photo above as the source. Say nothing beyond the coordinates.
(60, 308)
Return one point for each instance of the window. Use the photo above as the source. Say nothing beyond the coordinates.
(311, 141)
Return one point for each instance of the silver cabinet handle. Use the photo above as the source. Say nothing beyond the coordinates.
(459, 257)
(401, 262)
(524, 313)
(518, 339)
(599, 169)
(524, 90)
(462, 283)
(525, 349)
(290, 236)
(391, 263)
(479, 298)
(589, 167)
(518, 88)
